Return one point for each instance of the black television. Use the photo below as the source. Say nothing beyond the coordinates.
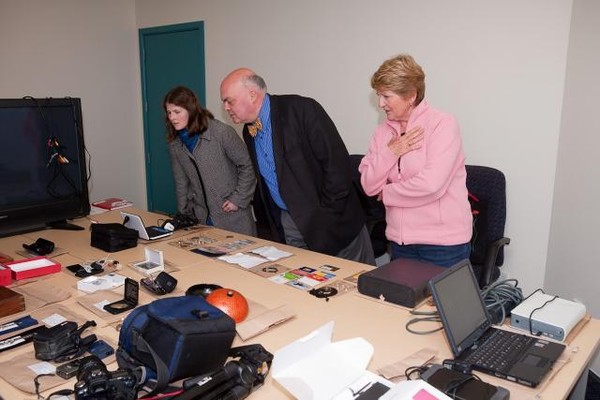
(43, 169)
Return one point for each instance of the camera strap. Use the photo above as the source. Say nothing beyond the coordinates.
(162, 372)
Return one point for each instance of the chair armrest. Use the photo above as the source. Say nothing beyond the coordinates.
(490, 260)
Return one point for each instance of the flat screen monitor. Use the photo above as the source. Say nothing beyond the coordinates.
(43, 173)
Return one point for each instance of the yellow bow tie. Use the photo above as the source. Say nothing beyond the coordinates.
(254, 127)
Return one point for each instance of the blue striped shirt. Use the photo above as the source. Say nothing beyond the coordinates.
(263, 143)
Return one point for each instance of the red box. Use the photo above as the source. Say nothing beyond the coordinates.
(32, 267)
(5, 276)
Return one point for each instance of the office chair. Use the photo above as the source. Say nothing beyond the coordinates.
(374, 210)
(487, 195)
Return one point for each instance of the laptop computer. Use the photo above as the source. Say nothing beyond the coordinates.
(134, 221)
(468, 326)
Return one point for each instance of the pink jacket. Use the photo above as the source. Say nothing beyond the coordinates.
(424, 193)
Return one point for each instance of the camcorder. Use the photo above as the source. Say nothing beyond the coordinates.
(62, 342)
(95, 382)
(235, 381)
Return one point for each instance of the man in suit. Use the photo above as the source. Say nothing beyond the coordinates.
(305, 195)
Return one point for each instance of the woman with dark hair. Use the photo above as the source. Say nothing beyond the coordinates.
(214, 177)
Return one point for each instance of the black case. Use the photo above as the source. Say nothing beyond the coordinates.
(113, 237)
(402, 281)
(473, 389)
(51, 343)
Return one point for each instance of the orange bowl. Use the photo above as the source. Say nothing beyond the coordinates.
(231, 302)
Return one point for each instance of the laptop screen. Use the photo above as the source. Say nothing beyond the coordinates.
(463, 313)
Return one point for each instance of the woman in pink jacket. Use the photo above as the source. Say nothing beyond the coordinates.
(416, 167)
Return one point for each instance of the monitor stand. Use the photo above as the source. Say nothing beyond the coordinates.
(64, 225)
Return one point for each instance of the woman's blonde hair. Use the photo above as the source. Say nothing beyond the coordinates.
(402, 75)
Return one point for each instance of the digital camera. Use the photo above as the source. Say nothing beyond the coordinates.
(95, 382)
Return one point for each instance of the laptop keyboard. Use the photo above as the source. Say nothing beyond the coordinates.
(499, 351)
(155, 231)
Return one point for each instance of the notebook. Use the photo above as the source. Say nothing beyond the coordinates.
(134, 221)
(468, 327)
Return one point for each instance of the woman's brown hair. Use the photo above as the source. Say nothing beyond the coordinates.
(184, 97)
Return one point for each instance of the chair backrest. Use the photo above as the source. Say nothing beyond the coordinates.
(374, 210)
(487, 189)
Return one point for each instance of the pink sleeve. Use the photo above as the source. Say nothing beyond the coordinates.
(378, 162)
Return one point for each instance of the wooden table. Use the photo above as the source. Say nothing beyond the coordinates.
(382, 324)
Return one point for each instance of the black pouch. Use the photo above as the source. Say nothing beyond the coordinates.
(62, 342)
(113, 237)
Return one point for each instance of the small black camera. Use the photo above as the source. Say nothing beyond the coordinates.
(95, 382)
(180, 221)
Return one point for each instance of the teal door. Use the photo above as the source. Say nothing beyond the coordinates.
(170, 56)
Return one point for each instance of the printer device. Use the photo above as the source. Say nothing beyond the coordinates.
(548, 315)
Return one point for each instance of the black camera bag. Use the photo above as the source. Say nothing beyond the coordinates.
(113, 237)
(175, 338)
(62, 342)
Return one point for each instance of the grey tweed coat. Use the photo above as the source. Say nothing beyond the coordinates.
(220, 165)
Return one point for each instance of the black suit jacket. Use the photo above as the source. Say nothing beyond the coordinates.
(314, 175)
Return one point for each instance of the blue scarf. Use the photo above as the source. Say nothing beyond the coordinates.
(188, 139)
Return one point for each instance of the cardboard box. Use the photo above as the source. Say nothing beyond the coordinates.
(11, 302)
(314, 368)
(32, 267)
(153, 263)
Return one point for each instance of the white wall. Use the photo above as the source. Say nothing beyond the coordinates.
(573, 262)
(499, 66)
(84, 49)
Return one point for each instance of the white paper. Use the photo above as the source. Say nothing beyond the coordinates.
(271, 253)
(53, 320)
(42, 368)
(243, 260)
(100, 305)
(92, 284)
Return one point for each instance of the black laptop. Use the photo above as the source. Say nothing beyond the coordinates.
(523, 359)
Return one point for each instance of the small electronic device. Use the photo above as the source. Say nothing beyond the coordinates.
(132, 290)
(41, 247)
(82, 271)
(101, 349)
(162, 284)
(402, 281)
(180, 221)
(68, 369)
(550, 316)
(208, 252)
